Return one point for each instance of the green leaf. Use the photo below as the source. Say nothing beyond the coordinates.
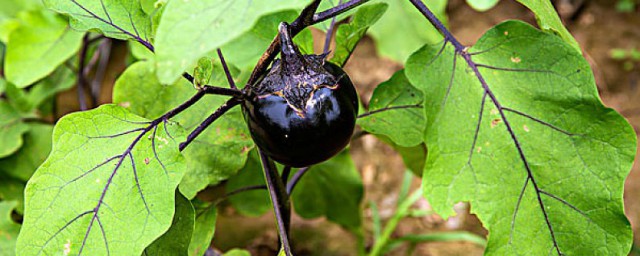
(176, 240)
(36, 148)
(12, 190)
(106, 188)
(119, 19)
(60, 80)
(10, 8)
(11, 129)
(237, 252)
(28, 102)
(202, 72)
(482, 5)
(140, 52)
(395, 112)
(413, 157)
(249, 203)
(549, 21)
(533, 165)
(190, 29)
(245, 50)
(41, 43)
(402, 30)
(205, 226)
(8, 228)
(3, 83)
(333, 189)
(218, 153)
(348, 35)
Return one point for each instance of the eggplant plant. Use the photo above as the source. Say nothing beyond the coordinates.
(231, 93)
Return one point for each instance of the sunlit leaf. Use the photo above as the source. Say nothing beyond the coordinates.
(395, 111)
(549, 20)
(539, 157)
(190, 29)
(120, 19)
(35, 48)
(217, 153)
(110, 175)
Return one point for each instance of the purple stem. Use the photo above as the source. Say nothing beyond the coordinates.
(279, 200)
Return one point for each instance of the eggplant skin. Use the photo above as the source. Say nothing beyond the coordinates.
(299, 137)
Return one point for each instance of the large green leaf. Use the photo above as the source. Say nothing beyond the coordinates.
(36, 148)
(333, 189)
(41, 43)
(190, 29)
(533, 149)
(8, 228)
(217, 153)
(395, 111)
(549, 20)
(249, 203)
(205, 226)
(348, 35)
(11, 129)
(176, 240)
(402, 29)
(120, 19)
(106, 188)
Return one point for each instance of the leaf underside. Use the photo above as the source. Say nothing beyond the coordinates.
(111, 175)
(119, 19)
(539, 157)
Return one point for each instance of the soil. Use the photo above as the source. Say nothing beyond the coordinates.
(595, 24)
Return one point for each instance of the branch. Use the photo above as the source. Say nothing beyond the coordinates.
(389, 108)
(212, 118)
(296, 178)
(279, 200)
(295, 27)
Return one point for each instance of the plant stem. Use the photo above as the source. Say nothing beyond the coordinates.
(279, 200)
(306, 18)
(285, 174)
(327, 39)
(296, 178)
(232, 84)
